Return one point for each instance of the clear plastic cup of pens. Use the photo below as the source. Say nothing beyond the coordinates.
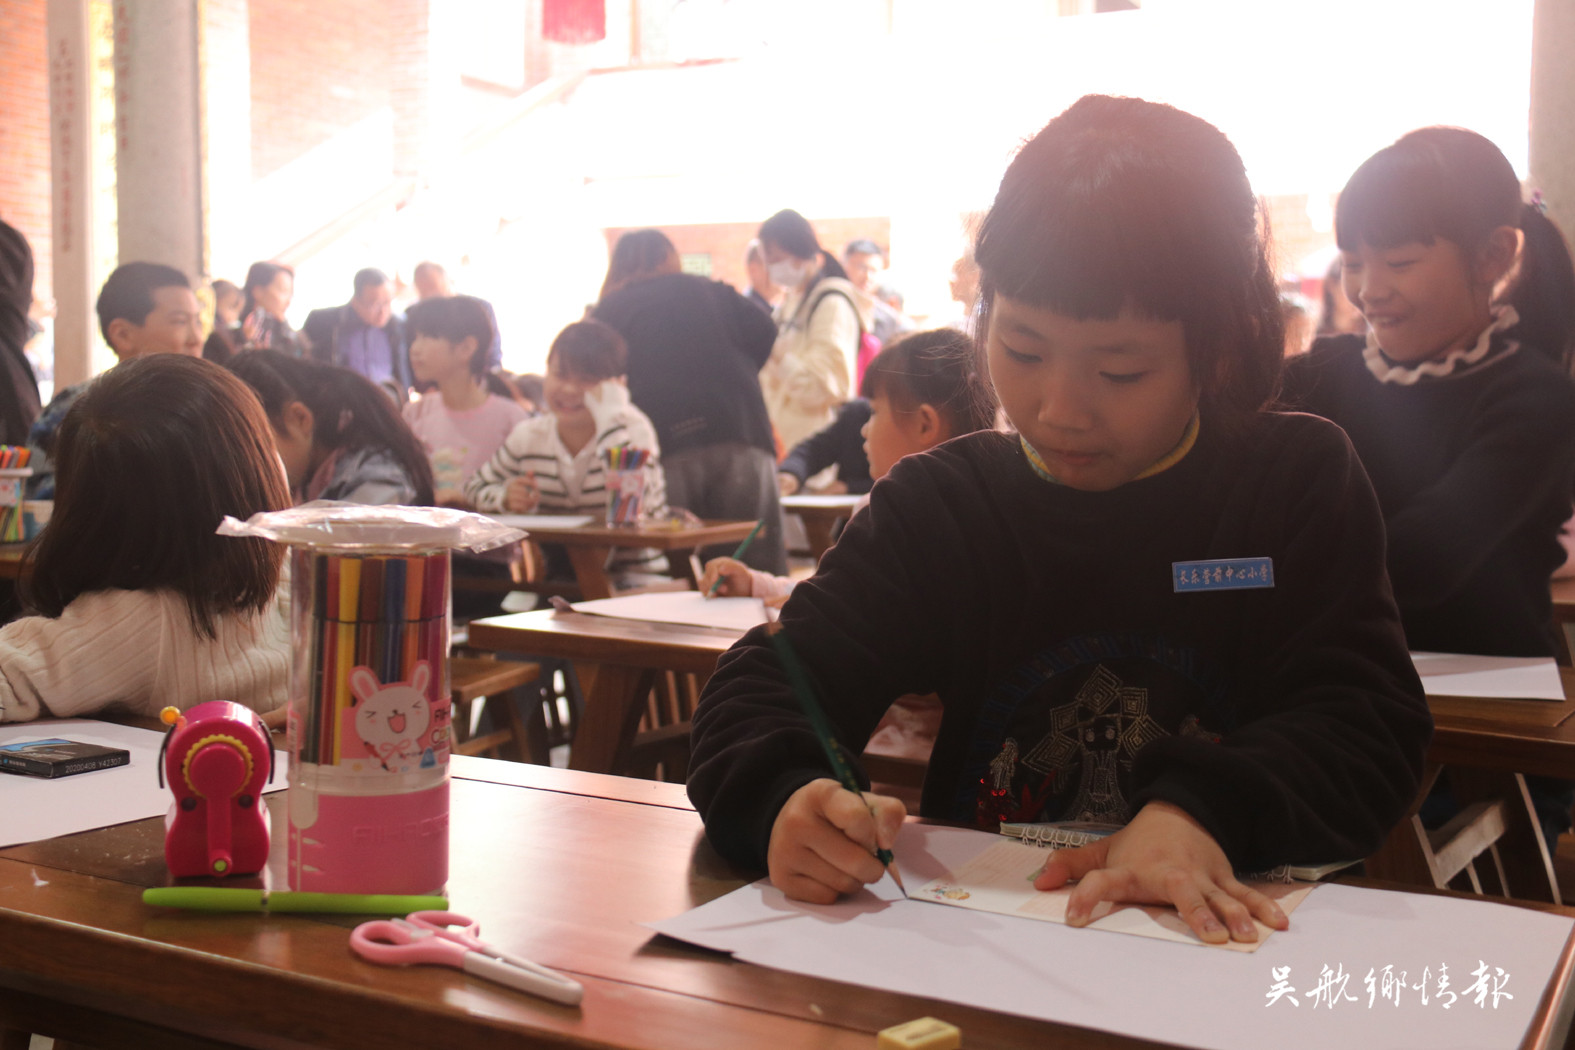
(625, 494)
(369, 727)
(13, 481)
(623, 466)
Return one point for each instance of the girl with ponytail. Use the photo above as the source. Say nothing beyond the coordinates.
(1458, 398)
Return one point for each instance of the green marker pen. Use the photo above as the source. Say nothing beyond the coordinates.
(226, 898)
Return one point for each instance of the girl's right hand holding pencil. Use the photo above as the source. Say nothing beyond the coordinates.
(522, 495)
(734, 574)
(824, 840)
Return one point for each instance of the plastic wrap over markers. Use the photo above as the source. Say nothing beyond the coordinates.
(369, 721)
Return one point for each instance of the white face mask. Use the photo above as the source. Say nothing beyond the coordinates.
(788, 273)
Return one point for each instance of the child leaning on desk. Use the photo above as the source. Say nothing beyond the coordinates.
(1155, 605)
(922, 390)
(338, 432)
(555, 463)
(139, 603)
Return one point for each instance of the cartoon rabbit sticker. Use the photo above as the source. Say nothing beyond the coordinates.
(392, 719)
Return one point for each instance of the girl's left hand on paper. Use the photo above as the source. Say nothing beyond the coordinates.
(824, 840)
(1164, 856)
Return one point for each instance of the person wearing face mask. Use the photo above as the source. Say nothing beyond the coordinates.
(819, 330)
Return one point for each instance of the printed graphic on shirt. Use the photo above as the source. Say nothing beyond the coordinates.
(1060, 739)
(448, 466)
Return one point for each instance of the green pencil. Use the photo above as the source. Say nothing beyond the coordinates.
(235, 898)
(805, 692)
(738, 553)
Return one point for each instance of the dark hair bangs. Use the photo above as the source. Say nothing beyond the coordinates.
(1114, 238)
(1393, 199)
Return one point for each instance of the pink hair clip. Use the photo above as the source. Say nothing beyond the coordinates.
(1538, 203)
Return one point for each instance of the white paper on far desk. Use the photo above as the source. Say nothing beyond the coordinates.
(543, 521)
(1494, 677)
(33, 808)
(810, 499)
(1152, 989)
(689, 608)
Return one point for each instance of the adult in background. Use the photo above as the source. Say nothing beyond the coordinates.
(432, 282)
(19, 401)
(224, 342)
(268, 291)
(819, 330)
(695, 352)
(364, 335)
(864, 261)
(761, 291)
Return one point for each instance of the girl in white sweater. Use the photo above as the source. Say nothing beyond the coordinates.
(140, 604)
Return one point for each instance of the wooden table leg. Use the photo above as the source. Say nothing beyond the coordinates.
(1401, 858)
(818, 530)
(590, 571)
(614, 701)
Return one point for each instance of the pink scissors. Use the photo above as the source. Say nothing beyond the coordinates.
(447, 939)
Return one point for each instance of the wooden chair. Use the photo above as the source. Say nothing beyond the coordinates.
(1496, 818)
(511, 699)
(660, 750)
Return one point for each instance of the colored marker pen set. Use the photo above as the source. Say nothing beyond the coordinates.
(368, 720)
(13, 471)
(625, 473)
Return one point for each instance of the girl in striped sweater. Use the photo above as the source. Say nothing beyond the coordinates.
(553, 463)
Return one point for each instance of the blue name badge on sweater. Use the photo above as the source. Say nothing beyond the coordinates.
(1223, 574)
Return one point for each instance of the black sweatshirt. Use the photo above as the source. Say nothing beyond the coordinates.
(695, 352)
(840, 443)
(1473, 472)
(1076, 682)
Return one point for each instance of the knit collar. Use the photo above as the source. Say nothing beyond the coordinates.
(1457, 362)
(1188, 438)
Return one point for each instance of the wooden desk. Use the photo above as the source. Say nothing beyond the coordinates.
(617, 662)
(1535, 737)
(1564, 616)
(588, 547)
(559, 867)
(820, 515)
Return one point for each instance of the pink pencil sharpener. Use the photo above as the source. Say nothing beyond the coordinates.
(216, 758)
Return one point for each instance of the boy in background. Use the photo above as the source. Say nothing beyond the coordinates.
(144, 308)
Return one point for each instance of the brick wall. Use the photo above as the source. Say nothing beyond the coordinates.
(317, 69)
(24, 130)
(724, 243)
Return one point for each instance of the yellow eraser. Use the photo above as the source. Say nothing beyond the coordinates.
(927, 1033)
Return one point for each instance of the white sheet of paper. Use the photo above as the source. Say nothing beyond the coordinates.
(543, 521)
(690, 608)
(1496, 677)
(812, 500)
(1152, 989)
(34, 808)
(1000, 880)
